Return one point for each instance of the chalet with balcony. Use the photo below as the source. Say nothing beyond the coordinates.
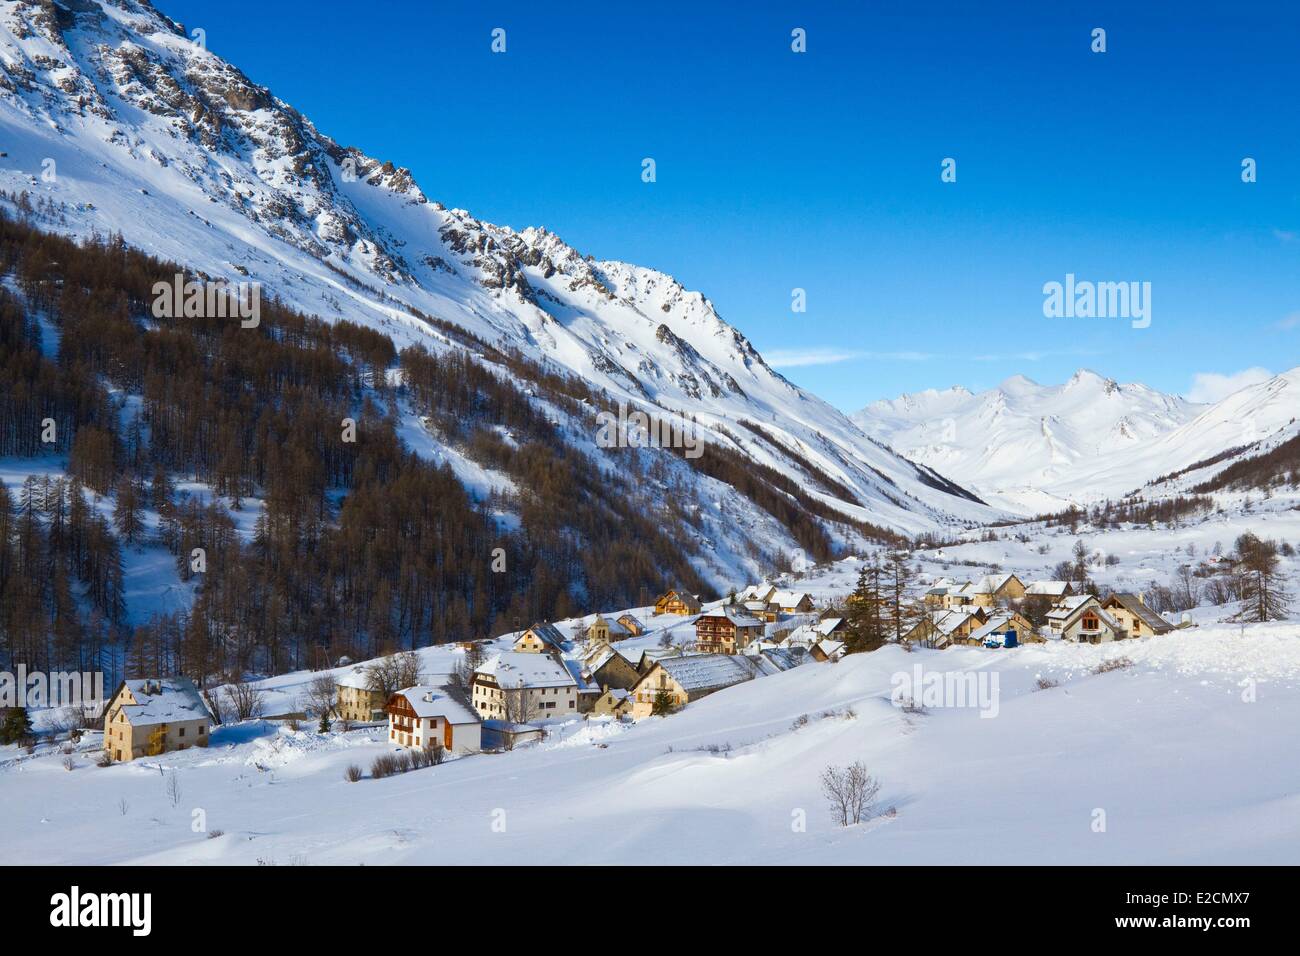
(1081, 618)
(728, 630)
(677, 602)
(425, 716)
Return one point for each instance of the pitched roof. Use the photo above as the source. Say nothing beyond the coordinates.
(617, 630)
(998, 624)
(948, 621)
(805, 634)
(990, 584)
(790, 598)
(358, 677)
(430, 701)
(1050, 588)
(517, 669)
(1067, 609)
(1133, 604)
(828, 625)
(164, 700)
(783, 658)
(733, 614)
(707, 671)
(605, 656)
(549, 634)
(580, 677)
(829, 648)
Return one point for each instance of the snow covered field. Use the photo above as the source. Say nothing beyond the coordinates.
(1185, 757)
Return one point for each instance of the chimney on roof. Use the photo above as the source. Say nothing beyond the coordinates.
(1142, 597)
(428, 696)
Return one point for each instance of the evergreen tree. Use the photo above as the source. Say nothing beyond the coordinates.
(864, 623)
(16, 726)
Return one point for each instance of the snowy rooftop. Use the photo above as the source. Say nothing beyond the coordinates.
(1050, 588)
(164, 701)
(1136, 606)
(735, 615)
(518, 669)
(358, 677)
(429, 701)
(999, 624)
(789, 598)
(949, 621)
(549, 634)
(708, 671)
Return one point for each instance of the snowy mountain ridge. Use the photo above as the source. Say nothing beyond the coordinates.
(1037, 448)
(114, 120)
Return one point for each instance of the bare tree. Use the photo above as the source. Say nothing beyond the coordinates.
(462, 676)
(850, 791)
(1263, 593)
(1186, 589)
(321, 696)
(173, 788)
(520, 705)
(396, 672)
(245, 699)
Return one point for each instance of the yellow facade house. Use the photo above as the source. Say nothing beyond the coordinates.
(677, 602)
(679, 680)
(1133, 615)
(151, 716)
(540, 639)
(995, 589)
(356, 700)
(632, 623)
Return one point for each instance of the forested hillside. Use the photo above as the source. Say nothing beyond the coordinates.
(360, 545)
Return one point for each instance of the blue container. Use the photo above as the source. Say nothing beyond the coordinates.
(1010, 640)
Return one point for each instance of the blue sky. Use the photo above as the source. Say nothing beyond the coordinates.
(821, 170)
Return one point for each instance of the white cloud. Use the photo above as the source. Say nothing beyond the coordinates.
(1212, 386)
(798, 358)
(1292, 321)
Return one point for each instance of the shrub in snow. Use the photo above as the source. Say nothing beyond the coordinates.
(430, 756)
(1112, 664)
(385, 765)
(69, 762)
(352, 774)
(1046, 683)
(213, 834)
(105, 759)
(850, 791)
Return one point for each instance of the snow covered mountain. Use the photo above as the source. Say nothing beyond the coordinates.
(1035, 448)
(1023, 445)
(113, 120)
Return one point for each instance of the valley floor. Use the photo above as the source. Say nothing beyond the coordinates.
(1186, 756)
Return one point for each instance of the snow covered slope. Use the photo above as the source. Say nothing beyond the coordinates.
(1035, 448)
(113, 120)
(1184, 768)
